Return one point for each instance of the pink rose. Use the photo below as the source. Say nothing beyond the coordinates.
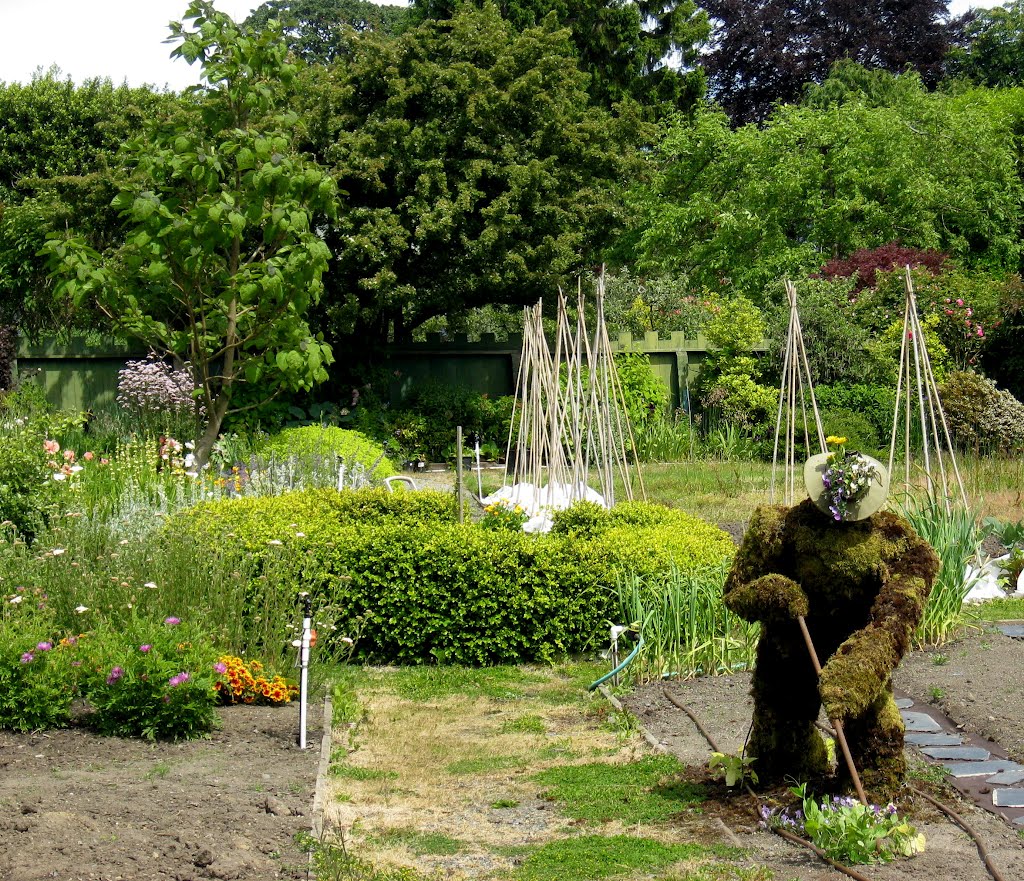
(51, 447)
(89, 456)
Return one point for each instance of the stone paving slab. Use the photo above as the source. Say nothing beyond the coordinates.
(1006, 778)
(919, 722)
(1008, 798)
(1014, 630)
(964, 753)
(980, 769)
(926, 738)
(904, 703)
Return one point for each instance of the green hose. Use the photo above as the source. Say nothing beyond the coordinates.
(636, 649)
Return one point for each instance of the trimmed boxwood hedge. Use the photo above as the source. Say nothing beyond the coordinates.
(328, 440)
(428, 589)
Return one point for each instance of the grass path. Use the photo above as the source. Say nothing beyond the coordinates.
(510, 774)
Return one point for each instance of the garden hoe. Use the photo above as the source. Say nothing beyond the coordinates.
(836, 724)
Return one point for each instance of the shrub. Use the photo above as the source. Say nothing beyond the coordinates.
(326, 442)
(36, 676)
(153, 680)
(28, 495)
(876, 403)
(979, 414)
(644, 395)
(860, 434)
(435, 590)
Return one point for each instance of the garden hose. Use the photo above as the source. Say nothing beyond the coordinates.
(628, 660)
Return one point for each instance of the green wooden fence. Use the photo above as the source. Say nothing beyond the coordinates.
(79, 377)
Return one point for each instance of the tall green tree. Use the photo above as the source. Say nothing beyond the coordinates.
(475, 171)
(57, 145)
(991, 50)
(645, 50)
(738, 208)
(320, 31)
(220, 261)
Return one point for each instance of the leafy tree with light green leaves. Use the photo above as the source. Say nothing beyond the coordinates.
(220, 261)
(992, 47)
(475, 170)
(740, 208)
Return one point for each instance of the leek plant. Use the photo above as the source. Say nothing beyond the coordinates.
(955, 536)
(687, 629)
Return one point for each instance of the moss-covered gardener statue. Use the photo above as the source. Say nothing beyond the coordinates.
(860, 577)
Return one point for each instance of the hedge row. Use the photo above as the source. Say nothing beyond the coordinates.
(328, 441)
(421, 587)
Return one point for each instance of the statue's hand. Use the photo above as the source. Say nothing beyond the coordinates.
(769, 597)
(832, 689)
(855, 675)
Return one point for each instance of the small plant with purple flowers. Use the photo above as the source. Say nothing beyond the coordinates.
(153, 680)
(846, 830)
(160, 396)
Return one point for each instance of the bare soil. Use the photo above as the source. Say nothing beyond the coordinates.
(74, 805)
(978, 678)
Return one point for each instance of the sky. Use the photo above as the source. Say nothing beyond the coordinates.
(123, 39)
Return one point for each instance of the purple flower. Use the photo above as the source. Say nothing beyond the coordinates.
(44, 646)
(180, 679)
(145, 648)
(27, 658)
(115, 674)
(172, 621)
(220, 668)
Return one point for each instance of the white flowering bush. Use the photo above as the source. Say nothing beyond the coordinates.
(160, 396)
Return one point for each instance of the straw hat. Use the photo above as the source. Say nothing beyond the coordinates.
(868, 504)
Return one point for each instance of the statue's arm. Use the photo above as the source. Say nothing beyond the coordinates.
(855, 675)
(755, 589)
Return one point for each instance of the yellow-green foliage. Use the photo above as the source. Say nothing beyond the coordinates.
(326, 440)
(427, 588)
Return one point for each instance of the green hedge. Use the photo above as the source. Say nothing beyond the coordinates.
(421, 587)
(327, 440)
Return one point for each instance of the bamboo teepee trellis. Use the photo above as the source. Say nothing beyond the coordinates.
(572, 415)
(796, 391)
(918, 393)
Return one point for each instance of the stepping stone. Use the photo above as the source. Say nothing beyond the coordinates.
(964, 753)
(919, 722)
(924, 738)
(1014, 630)
(980, 769)
(1006, 778)
(1019, 821)
(1008, 798)
(904, 703)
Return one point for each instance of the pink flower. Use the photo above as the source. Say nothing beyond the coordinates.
(220, 668)
(145, 648)
(115, 674)
(69, 455)
(180, 679)
(172, 621)
(89, 456)
(51, 447)
(44, 646)
(27, 658)
(104, 461)
(959, 302)
(980, 333)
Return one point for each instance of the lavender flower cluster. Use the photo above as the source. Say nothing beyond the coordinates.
(151, 386)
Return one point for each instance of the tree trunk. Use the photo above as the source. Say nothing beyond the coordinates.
(209, 437)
